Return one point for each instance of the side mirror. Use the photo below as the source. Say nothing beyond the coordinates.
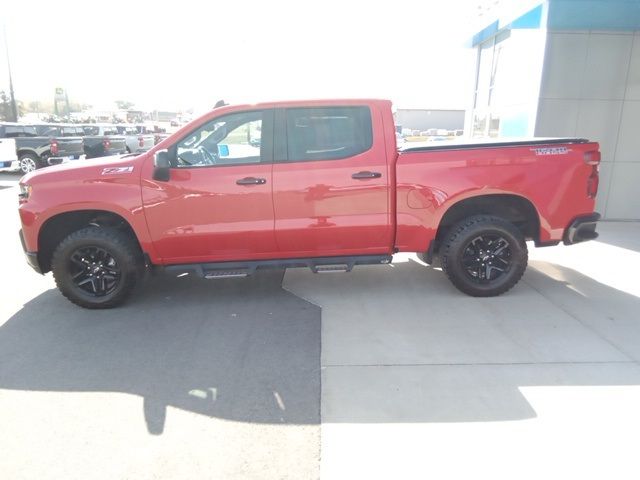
(161, 166)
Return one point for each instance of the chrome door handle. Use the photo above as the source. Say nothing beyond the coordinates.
(366, 175)
(251, 181)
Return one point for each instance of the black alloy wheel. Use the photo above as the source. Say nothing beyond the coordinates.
(486, 258)
(94, 270)
(484, 255)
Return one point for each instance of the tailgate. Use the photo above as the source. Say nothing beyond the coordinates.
(149, 141)
(69, 146)
(117, 142)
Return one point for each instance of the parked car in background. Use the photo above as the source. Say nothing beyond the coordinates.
(8, 153)
(136, 141)
(158, 133)
(102, 140)
(38, 146)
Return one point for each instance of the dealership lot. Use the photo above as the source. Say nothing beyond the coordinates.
(386, 372)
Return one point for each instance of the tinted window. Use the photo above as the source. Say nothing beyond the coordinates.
(229, 140)
(13, 131)
(91, 130)
(328, 133)
(110, 131)
(47, 130)
(70, 132)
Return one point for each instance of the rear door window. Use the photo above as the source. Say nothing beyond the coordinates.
(47, 131)
(328, 133)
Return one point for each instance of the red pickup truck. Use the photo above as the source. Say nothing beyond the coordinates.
(319, 184)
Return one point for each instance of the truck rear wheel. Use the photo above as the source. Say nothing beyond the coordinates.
(96, 267)
(484, 256)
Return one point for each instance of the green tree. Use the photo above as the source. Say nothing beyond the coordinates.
(6, 113)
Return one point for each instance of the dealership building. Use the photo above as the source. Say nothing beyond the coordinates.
(566, 68)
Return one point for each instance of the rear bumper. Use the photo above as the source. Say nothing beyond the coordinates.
(32, 257)
(581, 229)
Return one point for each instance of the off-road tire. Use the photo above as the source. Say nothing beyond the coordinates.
(119, 245)
(458, 239)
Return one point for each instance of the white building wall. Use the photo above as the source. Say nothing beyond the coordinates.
(591, 88)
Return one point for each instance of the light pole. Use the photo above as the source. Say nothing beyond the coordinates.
(14, 109)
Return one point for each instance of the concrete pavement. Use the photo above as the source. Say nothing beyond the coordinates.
(190, 379)
(419, 381)
(222, 379)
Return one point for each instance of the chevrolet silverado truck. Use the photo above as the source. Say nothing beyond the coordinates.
(102, 140)
(317, 184)
(136, 141)
(37, 146)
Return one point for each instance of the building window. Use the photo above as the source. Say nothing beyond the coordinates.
(486, 118)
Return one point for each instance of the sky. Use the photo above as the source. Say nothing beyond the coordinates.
(177, 55)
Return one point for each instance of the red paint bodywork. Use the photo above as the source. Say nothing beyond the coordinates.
(308, 209)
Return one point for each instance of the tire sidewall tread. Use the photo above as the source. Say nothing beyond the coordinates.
(119, 244)
(457, 238)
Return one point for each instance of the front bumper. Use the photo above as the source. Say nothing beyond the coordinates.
(581, 229)
(32, 257)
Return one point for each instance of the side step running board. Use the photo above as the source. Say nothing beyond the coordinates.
(244, 269)
(337, 268)
(225, 274)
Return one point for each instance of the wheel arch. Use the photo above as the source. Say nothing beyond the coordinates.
(514, 208)
(23, 151)
(59, 226)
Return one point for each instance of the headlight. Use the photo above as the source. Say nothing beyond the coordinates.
(25, 192)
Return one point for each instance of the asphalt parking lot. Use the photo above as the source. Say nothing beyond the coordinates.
(385, 372)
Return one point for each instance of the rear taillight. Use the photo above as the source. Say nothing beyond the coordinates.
(106, 143)
(592, 182)
(53, 146)
(593, 157)
(141, 141)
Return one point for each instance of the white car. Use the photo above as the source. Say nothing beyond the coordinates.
(8, 154)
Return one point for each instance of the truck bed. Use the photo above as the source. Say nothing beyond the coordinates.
(472, 144)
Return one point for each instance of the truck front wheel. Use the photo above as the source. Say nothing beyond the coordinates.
(96, 267)
(484, 256)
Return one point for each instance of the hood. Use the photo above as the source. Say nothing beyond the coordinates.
(110, 166)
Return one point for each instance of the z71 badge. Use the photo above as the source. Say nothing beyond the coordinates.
(551, 150)
(116, 170)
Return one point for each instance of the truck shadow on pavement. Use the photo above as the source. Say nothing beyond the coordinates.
(249, 351)
(242, 350)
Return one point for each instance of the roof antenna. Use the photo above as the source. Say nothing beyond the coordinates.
(220, 103)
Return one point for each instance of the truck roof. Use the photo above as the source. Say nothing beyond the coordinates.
(310, 103)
